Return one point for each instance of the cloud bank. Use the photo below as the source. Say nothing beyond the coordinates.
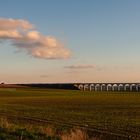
(23, 35)
(80, 67)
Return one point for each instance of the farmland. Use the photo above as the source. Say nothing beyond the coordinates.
(115, 113)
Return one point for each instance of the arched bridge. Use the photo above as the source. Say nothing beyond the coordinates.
(108, 86)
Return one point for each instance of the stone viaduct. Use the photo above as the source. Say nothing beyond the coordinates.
(108, 86)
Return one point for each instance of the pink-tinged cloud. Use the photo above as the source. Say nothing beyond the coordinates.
(23, 35)
(13, 34)
(80, 66)
(11, 24)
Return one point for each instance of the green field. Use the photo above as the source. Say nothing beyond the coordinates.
(116, 112)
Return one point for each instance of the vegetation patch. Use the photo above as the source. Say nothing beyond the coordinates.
(98, 113)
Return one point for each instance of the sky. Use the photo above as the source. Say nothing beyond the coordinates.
(51, 41)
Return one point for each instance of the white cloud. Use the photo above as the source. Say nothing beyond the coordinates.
(23, 35)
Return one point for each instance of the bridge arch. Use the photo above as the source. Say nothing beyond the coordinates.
(127, 87)
(92, 87)
(138, 87)
(133, 87)
(86, 87)
(103, 87)
(115, 87)
(120, 87)
(109, 87)
(97, 87)
(81, 87)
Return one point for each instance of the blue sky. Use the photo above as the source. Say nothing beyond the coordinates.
(103, 36)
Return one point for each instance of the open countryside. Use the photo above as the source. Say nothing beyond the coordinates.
(104, 115)
(69, 69)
